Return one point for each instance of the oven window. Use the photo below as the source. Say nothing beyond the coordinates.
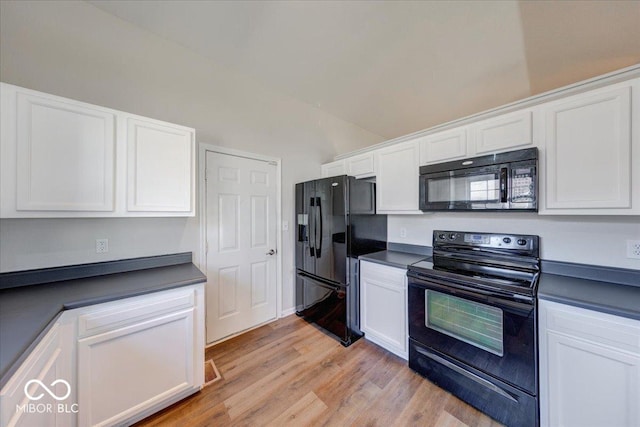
(474, 323)
(463, 189)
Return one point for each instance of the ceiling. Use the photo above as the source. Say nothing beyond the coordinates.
(396, 67)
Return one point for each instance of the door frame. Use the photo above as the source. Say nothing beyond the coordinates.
(203, 148)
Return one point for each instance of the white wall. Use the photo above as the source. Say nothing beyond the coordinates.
(75, 50)
(593, 240)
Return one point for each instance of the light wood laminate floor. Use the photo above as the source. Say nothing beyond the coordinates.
(290, 373)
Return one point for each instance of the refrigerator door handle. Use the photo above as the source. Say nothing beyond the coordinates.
(312, 227)
(319, 242)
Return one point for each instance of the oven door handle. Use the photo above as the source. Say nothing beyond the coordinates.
(474, 293)
(469, 375)
(317, 282)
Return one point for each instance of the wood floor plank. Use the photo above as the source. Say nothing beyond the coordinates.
(263, 389)
(424, 406)
(303, 413)
(292, 373)
(384, 410)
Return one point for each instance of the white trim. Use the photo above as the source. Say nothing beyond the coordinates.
(623, 74)
(287, 312)
(203, 147)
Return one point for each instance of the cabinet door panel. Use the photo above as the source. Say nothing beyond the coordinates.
(443, 146)
(336, 168)
(397, 178)
(160, 167)
(361, 166)
(384, 306)
(65, 156)
(125, 371)
(504, 132)
(588, 151)
(591, 385)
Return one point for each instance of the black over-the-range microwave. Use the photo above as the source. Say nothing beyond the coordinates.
(503, 181)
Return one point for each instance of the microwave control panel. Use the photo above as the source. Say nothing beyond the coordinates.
(523, 185)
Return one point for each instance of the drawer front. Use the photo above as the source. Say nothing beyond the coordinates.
(390, 276)
(602, 328)
(117, 314)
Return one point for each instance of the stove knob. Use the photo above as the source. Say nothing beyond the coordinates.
(507, 240)
(452, 236)
(442, 236)
(522, 242)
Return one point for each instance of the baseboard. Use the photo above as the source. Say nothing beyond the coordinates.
(287, 312)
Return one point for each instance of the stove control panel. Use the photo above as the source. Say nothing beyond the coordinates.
(485, 240)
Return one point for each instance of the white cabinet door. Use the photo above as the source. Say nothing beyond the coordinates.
(588, 146)
(138, 355)
(61, 158)
(361, 166)
(336, 168)
(504, 132)
(589, 368)
(383, 294)
(42, 392)
(397, 178)
(161, 159)
(444, 146)
(57, 154)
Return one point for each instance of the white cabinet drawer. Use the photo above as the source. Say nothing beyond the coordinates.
(614, 331)
(392, 276)
(116, 314)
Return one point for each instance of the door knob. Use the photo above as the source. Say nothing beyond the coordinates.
(271, 252)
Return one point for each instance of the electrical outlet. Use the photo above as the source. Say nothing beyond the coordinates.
(403, 232)
(102, 246)
(633, 249)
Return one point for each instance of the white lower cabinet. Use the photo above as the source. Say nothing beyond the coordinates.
(42, 391)
(589, 368)
(119, 362)
(383, 305)
(139, 356)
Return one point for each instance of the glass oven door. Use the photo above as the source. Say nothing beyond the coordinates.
(492, 334)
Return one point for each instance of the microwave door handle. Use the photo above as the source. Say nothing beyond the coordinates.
(503, 185)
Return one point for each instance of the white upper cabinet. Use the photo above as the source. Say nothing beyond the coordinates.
(397, 178)
(159, 159)
(444, 146)
(591, 143)
(64, 158)
(505, 132)
(336, 168)
(361, 166)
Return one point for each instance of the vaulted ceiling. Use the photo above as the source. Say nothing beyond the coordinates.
(396, 67)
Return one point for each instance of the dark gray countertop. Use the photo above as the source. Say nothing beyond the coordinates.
(393, 258)
(606, 297)
(27, 312)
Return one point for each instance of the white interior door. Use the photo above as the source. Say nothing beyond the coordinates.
(241, 242)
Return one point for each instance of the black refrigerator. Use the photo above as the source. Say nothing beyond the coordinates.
(336, 222)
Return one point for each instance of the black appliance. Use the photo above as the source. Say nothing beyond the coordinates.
(335, 223)
(473, 321)
(504, 181)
